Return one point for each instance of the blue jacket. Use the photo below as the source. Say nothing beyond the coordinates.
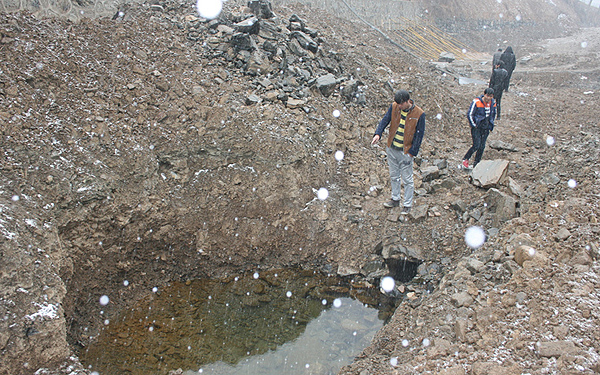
(477, 116)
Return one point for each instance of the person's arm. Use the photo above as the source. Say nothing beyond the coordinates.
(382, 125)
(471, 113)
(492, 114)
(418, 137)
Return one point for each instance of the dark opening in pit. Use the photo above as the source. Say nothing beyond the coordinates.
(401, 269)
(279, 321)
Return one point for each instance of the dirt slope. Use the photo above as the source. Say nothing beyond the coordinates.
(131, 152)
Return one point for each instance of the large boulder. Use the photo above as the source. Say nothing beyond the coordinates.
(490, 173)
(504, 206)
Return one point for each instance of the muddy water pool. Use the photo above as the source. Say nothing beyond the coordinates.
(266, 322)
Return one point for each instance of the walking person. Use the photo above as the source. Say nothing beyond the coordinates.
(496, 58)
(498, 83)
(407, 128)
(481, 116)
(510, 63)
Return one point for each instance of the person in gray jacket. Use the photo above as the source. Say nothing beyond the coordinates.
(496, 58)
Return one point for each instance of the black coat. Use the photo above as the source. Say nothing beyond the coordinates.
(496, 59)
(510, 61)
(498, 81)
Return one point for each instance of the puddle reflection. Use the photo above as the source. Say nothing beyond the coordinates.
(329, 342)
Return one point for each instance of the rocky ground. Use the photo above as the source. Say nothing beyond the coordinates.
(156, 146)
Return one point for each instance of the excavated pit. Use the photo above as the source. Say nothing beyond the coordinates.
(155, 315)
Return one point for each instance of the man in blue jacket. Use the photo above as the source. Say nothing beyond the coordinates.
(481, 115)
(407, 127)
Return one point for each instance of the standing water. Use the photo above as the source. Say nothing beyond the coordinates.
(272, 322)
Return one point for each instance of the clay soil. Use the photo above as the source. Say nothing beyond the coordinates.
(127, 155)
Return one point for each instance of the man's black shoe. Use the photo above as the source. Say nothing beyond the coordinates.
(392, 203)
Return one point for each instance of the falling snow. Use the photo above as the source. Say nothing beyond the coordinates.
(131, 159)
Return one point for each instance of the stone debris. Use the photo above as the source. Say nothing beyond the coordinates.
(157, 146)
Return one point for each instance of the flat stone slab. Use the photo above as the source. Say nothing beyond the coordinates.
(490, 173)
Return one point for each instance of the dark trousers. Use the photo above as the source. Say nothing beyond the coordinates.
(498, 98)
(507, 82)
(479, 138)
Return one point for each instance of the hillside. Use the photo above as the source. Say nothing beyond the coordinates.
(156, 146)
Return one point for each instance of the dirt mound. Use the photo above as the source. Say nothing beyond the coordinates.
(152, 147)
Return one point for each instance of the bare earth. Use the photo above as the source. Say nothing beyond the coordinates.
(131, 152)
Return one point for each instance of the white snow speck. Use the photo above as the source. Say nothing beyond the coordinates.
(322, 194)
(388, 284)
(31, 222)
(46, 311)
(474, 237)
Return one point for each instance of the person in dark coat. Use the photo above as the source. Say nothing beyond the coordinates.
(498, 83)
(510, 62)
(496, 58)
